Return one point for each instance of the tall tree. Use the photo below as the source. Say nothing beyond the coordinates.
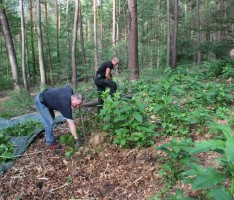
(133, 40)
(113, 26)
(48, 43)
(81, 36)
(23, 46)
(58, 28)
(95, 35)
(10, 47)
(168, 34)
(175, 35)
(40, 46)
(32, 38)
(74, 70)
(198, 32)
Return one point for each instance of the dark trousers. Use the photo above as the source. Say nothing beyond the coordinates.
(101, 86)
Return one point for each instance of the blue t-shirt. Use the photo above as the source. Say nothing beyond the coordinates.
(59, 99)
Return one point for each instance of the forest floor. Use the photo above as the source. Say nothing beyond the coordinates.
(102, 172)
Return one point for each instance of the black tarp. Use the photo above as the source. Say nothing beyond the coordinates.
(22, 142)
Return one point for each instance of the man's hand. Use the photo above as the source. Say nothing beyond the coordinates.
(78, 144)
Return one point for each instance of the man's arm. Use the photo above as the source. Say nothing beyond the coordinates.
(108, 74)
(72, 127)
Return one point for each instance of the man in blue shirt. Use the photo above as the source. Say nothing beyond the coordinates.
(62, 100)
(103, 79)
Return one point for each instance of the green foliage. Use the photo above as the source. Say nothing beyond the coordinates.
(178, 196)
(176, 159)
(23, 129)
(68, 140)
(127, 121)
(19, 103)
(211, 179)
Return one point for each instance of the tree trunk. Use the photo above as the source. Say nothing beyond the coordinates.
(74, 40)
(23, 46)
(32, 39)
(198, 32)
(168, 34)
(113, 26)
(10, 47)
(68, 57)
(133, 40)
(40, 46)
(81, 36)
(58, 28)
(48, 44)
(175, 34)
(95, 35)
(218, 37)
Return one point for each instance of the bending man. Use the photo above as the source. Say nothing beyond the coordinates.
(62, 100)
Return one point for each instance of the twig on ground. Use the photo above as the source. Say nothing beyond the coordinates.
(53, 189)
(127, 155)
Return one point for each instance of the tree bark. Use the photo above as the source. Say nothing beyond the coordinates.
(81, 37)
(10, 48)
(48, 44)
(58, 29)
(23, 47)
(95, 35)
(168, 34)
(74, 40)
(175, 35)
(198, 32)
(133, 40)
(40, 46)
(32, 39)
(113, 26)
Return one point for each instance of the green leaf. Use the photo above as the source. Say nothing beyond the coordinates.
(230, 150)
(205, 146)
(137, 116)
(219, 194)
(207, 180)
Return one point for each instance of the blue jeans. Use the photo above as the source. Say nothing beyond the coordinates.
(47, 116)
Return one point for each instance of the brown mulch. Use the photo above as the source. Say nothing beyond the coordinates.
(105, 172)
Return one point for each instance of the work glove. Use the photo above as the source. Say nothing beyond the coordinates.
(78, 144)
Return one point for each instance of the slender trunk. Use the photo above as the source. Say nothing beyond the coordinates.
(74, 70)
(40, 46)
(113, 26)
(198, 32)
(168, 34)
(10, 48)
(32, 39)
(58, 28)
(23, 46)
(82, 40)
(174, 52)
(48, 44)
(68, 41)
(95, 35)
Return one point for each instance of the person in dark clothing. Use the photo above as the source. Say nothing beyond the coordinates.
(103, 79)
(62, 100)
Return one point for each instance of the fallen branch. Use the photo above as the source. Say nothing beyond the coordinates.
(127, 156)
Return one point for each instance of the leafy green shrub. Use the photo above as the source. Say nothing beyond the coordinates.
(127, 121)
(211, 179)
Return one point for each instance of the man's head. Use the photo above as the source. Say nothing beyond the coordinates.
(76, 100)
(115, 60)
